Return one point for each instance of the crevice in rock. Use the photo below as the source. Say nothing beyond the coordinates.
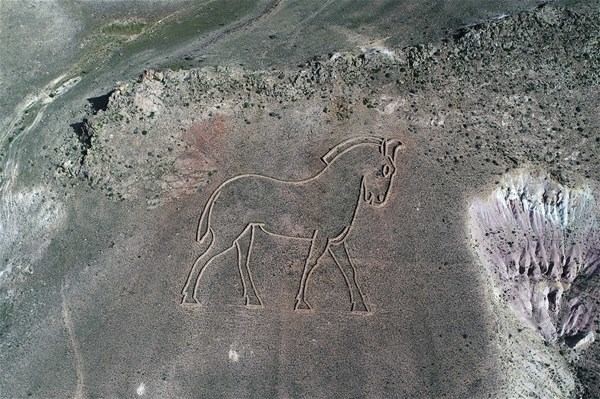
(100, 103)
(84, 134)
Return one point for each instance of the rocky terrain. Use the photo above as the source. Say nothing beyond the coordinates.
(492, 233)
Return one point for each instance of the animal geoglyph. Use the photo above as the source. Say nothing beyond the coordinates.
(320, 209)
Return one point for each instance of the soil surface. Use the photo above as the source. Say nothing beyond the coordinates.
(324, 163)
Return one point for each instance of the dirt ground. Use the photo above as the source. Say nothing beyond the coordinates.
(108, 167)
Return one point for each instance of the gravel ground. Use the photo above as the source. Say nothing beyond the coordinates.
(111, 193)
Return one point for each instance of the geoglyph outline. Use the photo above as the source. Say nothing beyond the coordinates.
(333, 245)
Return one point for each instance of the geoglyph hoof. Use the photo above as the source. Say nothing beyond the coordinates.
(253, 303)
(302, 305)
(188, 300)
(359, 308)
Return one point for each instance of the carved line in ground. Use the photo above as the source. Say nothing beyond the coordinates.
(306, 271)
(309, 268)
(330, 156)
(339, 240)
(77, 359)
(206, 264)
(245, 267)
(262, 227)
(233, 308)
(334, 153)
(354, 274)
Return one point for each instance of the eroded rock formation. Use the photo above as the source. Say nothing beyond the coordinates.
(539, 239)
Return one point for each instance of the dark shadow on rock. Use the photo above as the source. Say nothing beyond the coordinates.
(100, 103)
(84, 135)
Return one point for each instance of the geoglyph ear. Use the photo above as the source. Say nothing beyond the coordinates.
(391, 147)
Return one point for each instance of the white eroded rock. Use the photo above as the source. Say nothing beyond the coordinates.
(540, 241)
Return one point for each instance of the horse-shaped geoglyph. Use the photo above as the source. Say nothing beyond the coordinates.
(320, 209)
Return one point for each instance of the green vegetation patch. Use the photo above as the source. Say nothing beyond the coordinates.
(131, 27)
